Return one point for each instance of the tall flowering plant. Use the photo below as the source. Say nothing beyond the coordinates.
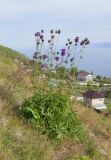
(51, 57)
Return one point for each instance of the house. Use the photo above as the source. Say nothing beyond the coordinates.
(82, 75)
(94, 99)
(89, 78)
(85, 76)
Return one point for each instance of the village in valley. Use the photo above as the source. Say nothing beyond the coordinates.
(93, 91)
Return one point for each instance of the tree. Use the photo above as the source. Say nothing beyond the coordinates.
(109, 93)
(98, 77)
(89, 85)
(73, 71)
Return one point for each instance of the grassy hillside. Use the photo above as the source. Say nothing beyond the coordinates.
(20, 141)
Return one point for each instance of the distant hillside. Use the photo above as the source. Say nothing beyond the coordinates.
(9, 59)
(7, 55)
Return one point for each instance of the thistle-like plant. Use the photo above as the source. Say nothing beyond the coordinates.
(50, 57)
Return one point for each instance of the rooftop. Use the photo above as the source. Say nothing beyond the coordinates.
(93, 94)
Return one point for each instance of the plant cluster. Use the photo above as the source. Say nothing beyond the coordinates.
(52, 115)
(51, 56)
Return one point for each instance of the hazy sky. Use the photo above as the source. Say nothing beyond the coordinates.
(20, 19)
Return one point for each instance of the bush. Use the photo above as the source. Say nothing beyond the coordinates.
(52, 115)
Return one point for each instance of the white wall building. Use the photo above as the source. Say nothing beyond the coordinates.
(89, 78)
(94, 99)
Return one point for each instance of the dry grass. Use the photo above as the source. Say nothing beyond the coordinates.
(98, 126)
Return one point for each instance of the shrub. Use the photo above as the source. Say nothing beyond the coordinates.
(80, 158)
(52, 115)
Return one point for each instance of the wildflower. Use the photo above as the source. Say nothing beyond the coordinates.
(38, 43)
(35, 55)
(70, 42)
(68, 39)
(59, 31)
(41, 37)
(44, 56)
(76, 40)
(42, 66)
(51, 31)
(49, 41)
(72, 59)
(42, 31)
(82, 43)
(87, 42)
(37, 34)
(57, 58)
(42, 40)
(52, 36)
(63, 52)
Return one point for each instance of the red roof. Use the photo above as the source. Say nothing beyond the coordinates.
(83, 74)
(93, 95)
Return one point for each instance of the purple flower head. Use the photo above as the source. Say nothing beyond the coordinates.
(42, 66)
(70, 42)
(42, 40)
(72, 59)
(42, 31)
(38, 43)
(82, 43)
(52, 37)
(51, 31)
(76, 40)
(68, 39)
(44, 56)
(41, 37)
(63, 52)
(59, 31)
(49, 41)
(36, 53)
(57, 59)
(37, 34)
(86, 41)
(35, 57)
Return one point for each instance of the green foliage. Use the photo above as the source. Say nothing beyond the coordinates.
(98, 77)
(62, 73)
(74, 71)
(109, 93)
(80, 158)
(89, 85)
(52, 115)
(109, 107)
(101, 84)
(7, 54)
